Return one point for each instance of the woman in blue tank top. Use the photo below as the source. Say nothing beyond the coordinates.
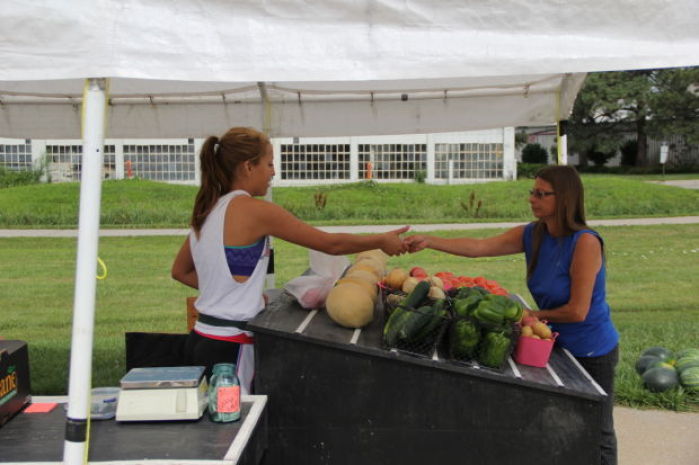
(566, 276)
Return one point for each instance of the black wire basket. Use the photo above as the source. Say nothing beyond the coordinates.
(423, 345)
(474, 357)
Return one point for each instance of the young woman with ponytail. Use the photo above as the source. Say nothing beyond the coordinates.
(226, 253)
(566, 275)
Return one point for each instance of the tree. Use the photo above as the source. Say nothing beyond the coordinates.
(675, 104)
(649, 102)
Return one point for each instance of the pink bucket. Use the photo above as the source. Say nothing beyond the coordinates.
(534, 352)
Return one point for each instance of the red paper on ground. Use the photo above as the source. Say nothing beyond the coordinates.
(40, 407)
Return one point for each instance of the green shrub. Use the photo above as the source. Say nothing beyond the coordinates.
(600, 158)
(528, 170)
(534, 153)
(420, 176)
(11, 178)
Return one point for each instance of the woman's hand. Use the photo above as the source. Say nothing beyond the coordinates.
(416, 243)
(393, 243)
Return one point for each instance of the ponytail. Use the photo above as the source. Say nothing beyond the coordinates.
(215, 182)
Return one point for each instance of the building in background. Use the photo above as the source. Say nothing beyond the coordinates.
(462, 157)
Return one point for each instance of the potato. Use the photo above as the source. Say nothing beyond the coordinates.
(394, 279)
(409, 284)
(436, 293)
(541, 330)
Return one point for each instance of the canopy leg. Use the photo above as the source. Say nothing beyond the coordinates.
(75, 445)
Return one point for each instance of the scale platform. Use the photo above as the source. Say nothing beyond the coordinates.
(162, 394)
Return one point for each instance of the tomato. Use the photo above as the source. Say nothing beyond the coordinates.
(444, 275)
(418, 272)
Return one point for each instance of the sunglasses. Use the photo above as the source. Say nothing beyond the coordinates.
(540, 194)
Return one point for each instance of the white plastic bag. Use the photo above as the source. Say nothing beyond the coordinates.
(312, 289)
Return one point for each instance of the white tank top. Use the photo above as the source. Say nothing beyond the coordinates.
(220, 295)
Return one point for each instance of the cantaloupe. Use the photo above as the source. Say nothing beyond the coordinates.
(365, 267)
(361, 274)
(375, 263)
(349, 306)
(377, 254)
(370, 289)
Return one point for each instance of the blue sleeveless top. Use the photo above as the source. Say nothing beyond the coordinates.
(550, 288)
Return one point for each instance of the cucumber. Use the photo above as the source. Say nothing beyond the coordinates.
(394, 323)
(415, 322)
(405, 315)
(418, 294)
(440, 312)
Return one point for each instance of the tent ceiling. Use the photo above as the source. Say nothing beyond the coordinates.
(329, 67)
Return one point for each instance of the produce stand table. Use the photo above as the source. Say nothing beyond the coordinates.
(337, 397)
(38, 438)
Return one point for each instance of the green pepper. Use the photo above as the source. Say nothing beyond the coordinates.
(489, 312)
(465, 306)
(513, 311)
(494, 349)
(464, 339)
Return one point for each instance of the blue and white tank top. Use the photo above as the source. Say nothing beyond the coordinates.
(220, 295)
(550, 288)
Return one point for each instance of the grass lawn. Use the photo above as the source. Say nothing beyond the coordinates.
(139, 203)
(653, 277)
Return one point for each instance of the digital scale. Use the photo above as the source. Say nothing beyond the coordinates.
(162, 394)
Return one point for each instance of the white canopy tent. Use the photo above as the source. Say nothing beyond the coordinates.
(191, 68)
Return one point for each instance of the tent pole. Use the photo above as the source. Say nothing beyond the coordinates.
(562, 142)
(76, 433)
(270, 282)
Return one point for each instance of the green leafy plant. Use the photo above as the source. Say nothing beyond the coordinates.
(320, 199)
(473, 206)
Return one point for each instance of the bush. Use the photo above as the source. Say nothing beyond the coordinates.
(629, 151)
(528, 170)
(10, 178)
(534, 153)
(600, 158)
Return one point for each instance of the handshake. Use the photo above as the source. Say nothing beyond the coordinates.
(397, 245)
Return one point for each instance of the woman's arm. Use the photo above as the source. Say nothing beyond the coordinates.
(509, 242)
(587, 261)
(183, 269)
(273, 220)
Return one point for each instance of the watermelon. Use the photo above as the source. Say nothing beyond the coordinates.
(688, 361)
(644, 362)
(660, 363)
(690, 379)
(685, 352)
(661, 352)
(660, 379)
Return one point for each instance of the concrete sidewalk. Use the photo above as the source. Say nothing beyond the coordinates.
(656, 437)
(346, 229)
